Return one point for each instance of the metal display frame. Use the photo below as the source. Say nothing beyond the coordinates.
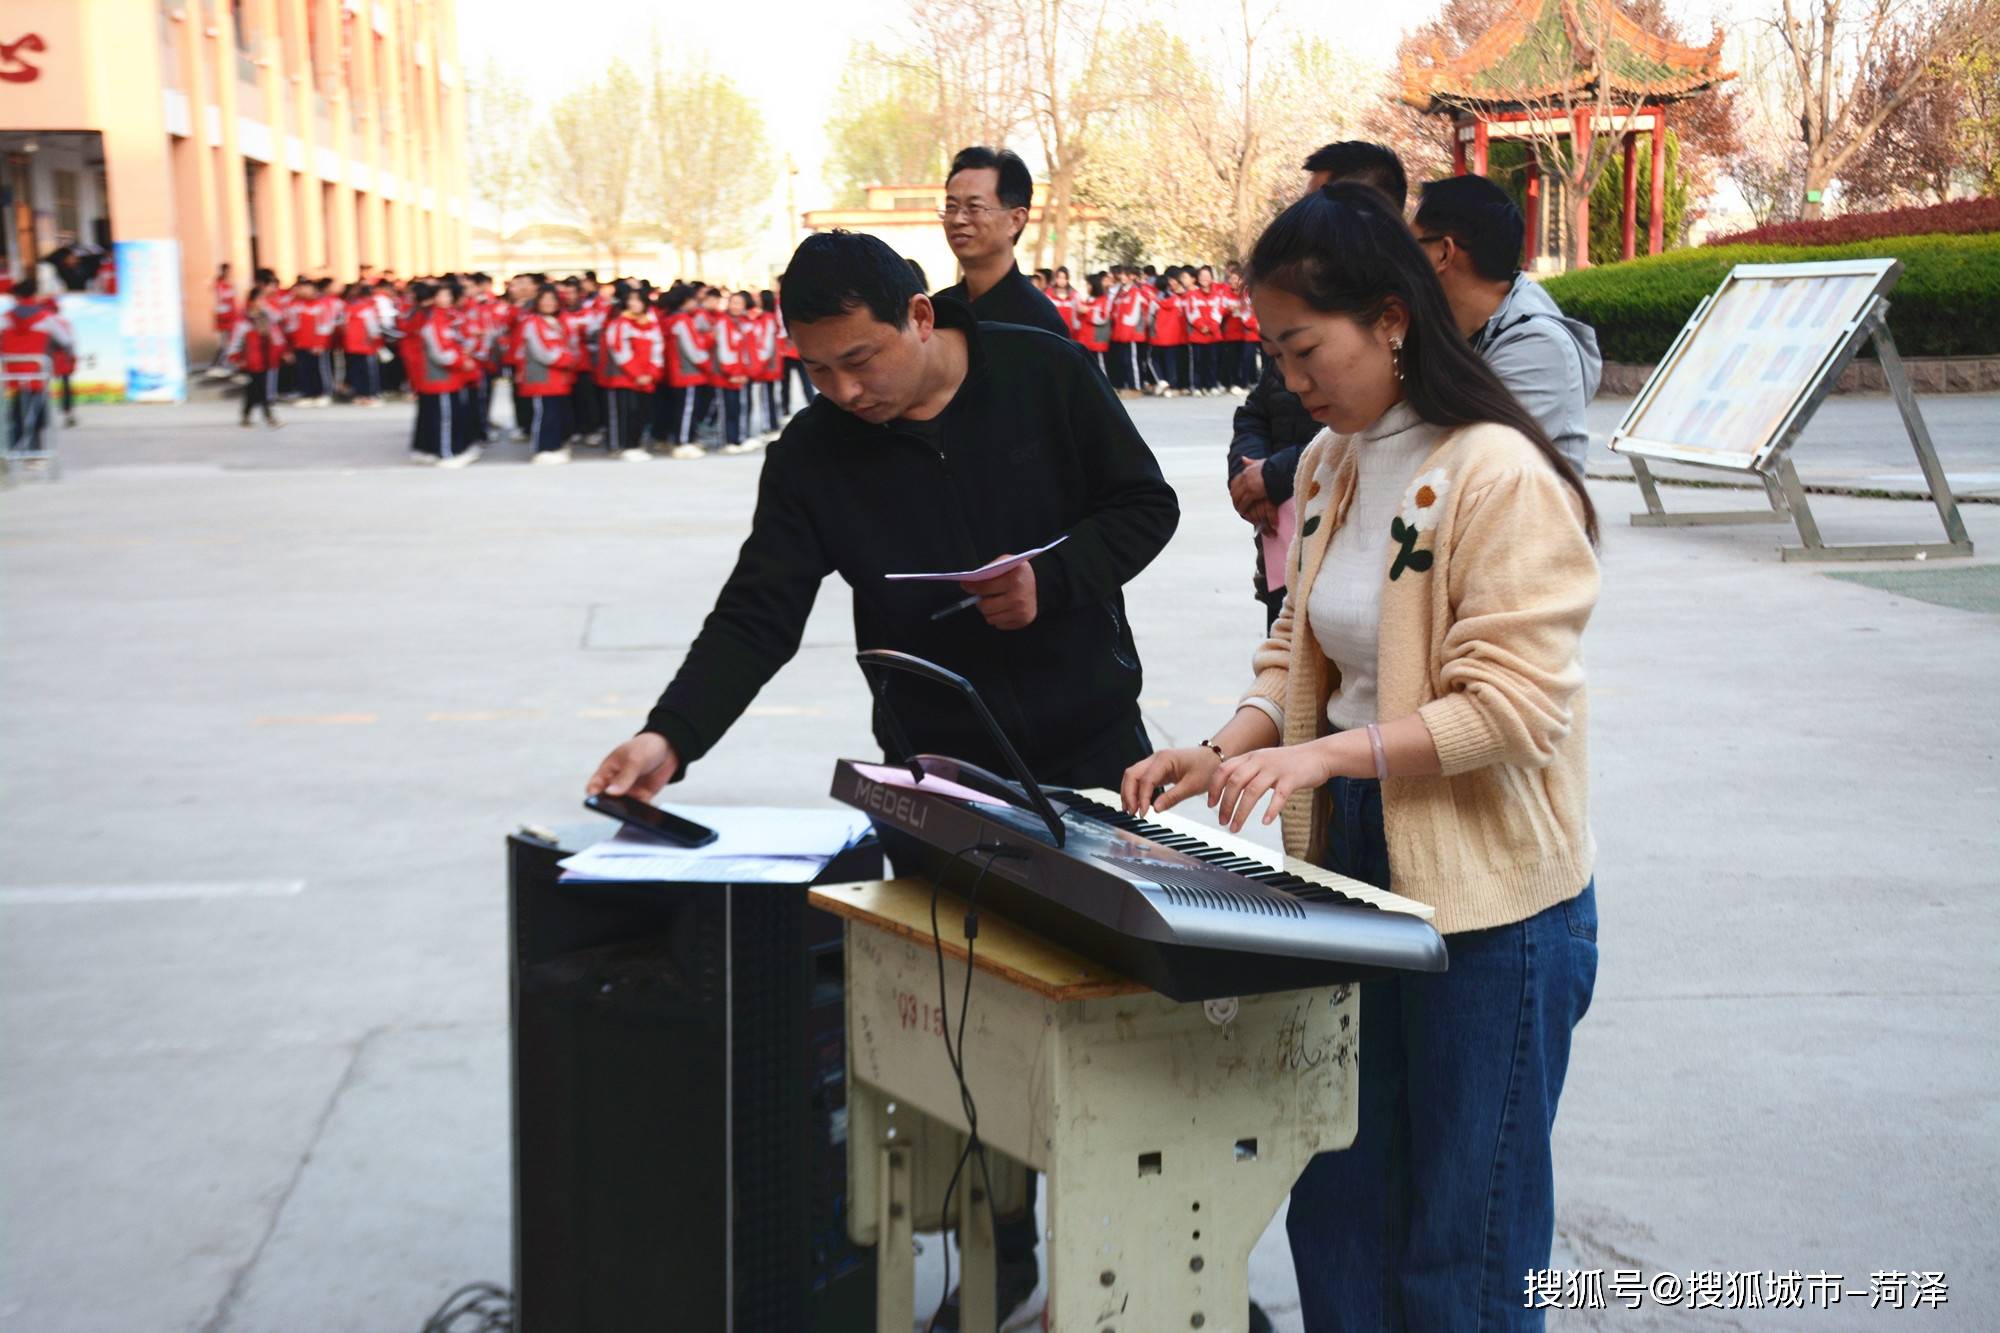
(1770, 461)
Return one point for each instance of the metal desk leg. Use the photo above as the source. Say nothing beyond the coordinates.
(895, 1254)
(976, 1296)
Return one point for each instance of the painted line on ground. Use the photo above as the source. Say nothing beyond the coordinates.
(489, 715)
(36, 895)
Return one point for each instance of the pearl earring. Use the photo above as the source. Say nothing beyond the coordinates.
(1396, 357)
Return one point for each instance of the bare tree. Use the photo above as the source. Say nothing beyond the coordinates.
(1198, 164)
(1072, 84)
(499, 143)
(712, 173)
(883, 129)
(1918, 153)
(1834, 45)
(969, 53)
(590, 158)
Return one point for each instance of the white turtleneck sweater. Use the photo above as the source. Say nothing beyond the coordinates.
(1344, 606)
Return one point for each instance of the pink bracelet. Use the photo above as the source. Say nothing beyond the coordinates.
(1381, 751)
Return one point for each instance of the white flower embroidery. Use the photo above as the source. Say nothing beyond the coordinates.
(1423, 502)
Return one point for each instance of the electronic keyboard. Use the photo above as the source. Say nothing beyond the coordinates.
(1193, 912)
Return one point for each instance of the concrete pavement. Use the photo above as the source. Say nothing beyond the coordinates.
(273, 699)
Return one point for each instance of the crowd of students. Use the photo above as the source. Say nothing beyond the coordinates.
(1173, 333)
(626, 366)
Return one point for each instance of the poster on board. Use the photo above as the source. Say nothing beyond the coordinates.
(1747, 361)
(149, 321)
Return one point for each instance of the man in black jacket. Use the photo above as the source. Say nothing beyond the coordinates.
(937, 443)
(987, 195)
(1272, 427)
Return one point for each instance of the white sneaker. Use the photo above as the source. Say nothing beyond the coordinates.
(466, 459)
(551, 457)
(635, 455)
(421, 459)
(687, 451)
(517, 435)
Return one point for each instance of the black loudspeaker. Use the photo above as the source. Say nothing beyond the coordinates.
(679, 1106)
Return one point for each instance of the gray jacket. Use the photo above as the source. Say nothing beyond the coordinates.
(1549, 360)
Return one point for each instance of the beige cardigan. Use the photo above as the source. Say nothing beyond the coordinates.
(1489, 578)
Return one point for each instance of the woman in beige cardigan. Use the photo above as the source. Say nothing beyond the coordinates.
(1418, 720)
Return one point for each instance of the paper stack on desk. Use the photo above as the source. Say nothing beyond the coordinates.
(754, 845)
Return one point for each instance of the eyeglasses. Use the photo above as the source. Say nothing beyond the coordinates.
(973, 212)
(1426, 240)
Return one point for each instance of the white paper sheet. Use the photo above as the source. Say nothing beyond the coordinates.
(753, 845)
(991, 570)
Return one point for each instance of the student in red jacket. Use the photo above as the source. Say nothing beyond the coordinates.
(361, 343)
(765, 368)
(544, 371)
(257, 348)
(688, 389)
(1129, 312)
(791, 366)
(580, 315)
(1093, 320)
(1204, 307)
(729, 367)
(314, 320)
(435, 360)
(33, 328)
(228, 310)
(1170, 336)
(1065, 298)
(634, 361)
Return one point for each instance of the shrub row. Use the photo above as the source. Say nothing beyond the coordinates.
(1947, 303)
(1960, 217)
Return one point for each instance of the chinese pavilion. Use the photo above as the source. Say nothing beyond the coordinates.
(1567, 68)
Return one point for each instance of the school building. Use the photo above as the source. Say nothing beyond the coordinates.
(307, 136)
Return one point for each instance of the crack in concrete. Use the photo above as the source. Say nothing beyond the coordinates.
(241, 1277)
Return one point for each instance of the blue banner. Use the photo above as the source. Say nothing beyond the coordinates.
(149, 320)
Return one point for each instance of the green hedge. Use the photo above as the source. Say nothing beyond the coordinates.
(1947, 303)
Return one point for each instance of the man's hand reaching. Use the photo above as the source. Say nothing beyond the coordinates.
(639, 768)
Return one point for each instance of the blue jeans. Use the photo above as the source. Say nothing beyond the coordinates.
(1434, 1217)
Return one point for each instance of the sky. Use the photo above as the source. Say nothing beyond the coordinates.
(790, 58)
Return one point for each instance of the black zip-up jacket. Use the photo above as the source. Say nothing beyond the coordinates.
(1271, 429)
(1034, 446)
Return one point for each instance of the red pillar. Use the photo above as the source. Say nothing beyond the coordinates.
(1580, 203)
(1629, 220)
(1656, 219)
(1479, 146)
(1531, 247)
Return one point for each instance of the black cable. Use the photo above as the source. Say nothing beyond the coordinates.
(491, 1306)
(955, 1053)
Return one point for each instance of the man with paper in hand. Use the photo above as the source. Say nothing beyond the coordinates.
(937, 444)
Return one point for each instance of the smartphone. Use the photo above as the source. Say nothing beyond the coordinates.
(649, 818)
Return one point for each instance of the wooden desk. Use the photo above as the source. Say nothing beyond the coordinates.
(1169, 1132)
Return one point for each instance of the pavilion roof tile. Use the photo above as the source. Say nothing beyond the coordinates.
(1545, 50)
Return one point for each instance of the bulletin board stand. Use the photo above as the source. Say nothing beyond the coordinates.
(1774, 469)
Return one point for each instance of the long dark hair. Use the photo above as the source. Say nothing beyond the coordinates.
(1343, 250)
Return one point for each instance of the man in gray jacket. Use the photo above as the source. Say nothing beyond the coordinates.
(1472, 231)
